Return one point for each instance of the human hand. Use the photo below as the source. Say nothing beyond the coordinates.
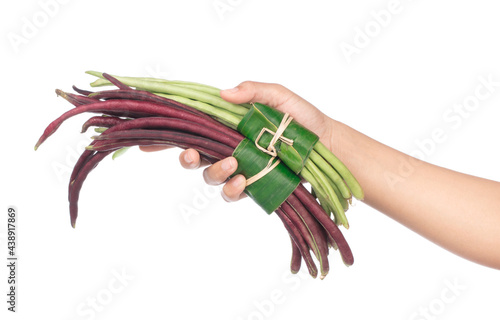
(273, 95)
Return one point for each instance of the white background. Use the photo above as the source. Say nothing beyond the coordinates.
(226, 261)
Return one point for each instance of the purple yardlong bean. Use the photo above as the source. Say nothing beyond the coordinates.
(320, 241)
(116, 82)
(100, 121)
(299, 241)
(185, 129)
(77, 185)
(81, 91)
(162, 121)
(296, 258)
(333, 231)
(146, 96)
(146, 108)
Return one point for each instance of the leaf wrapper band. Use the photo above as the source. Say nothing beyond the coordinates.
(270, 190)
(261, 117)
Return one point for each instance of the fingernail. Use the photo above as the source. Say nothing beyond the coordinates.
(238, 181)
(228, 164)
(233, 90)
(187, 157)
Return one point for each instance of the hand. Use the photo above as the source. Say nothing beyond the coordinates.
(273, 95)
(448, 199)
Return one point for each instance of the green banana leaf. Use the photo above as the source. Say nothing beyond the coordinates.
(270, 191)
(261, 116)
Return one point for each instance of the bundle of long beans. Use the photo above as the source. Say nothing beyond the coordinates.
(332, 182)
(132, 117)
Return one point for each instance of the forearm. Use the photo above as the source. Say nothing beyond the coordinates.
(456, 211)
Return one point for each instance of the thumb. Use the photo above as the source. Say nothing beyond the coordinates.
(270, 94)
(279, 97)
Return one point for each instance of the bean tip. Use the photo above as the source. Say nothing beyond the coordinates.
(94, 73)
(38, 144)
(358, 192)
(348, 262)
(61, 93)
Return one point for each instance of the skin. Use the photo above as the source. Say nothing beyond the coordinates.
(458, 212)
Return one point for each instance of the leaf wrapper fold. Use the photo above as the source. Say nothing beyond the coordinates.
(270, 191)
(262, 116)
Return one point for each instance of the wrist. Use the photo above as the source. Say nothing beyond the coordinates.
(332, 138)
(339, 140)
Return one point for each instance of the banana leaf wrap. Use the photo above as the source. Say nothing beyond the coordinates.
(261, 116)
(270, 191)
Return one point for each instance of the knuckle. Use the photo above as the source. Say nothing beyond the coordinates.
(246, 83)
(280, 88)
(277, 86)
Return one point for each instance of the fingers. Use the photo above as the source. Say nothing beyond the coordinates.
(216, 174)
(220, 171)
(190, 159)
(233, 189)
(279, 97)
(271, 94)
